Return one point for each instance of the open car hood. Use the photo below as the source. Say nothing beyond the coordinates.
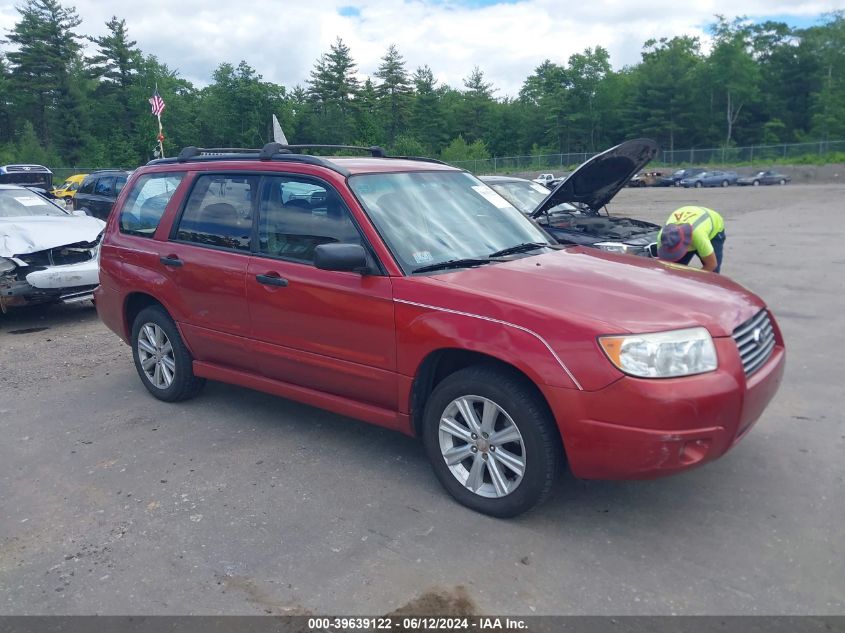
(596, 181)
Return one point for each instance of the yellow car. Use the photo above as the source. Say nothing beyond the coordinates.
(68, 188)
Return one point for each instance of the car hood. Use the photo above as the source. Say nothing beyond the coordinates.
(596, 181)
(24, 235)
(606, 293)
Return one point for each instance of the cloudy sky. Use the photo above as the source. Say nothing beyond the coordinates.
(507, 39)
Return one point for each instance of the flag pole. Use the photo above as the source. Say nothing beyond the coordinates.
(160, 136)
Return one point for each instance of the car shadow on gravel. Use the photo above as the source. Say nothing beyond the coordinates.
(29, 319)
(575, 504)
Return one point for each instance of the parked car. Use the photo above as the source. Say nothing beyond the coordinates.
(674, 180)
(412, 296)
(544, 179)
(764, 178)
(46, 254)
(98, 191)
(36, 176)
(69, 187)
(577, 219)
(645, 179)
(710, 179)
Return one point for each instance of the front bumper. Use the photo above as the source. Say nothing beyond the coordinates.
(643, 429)
(67, 284)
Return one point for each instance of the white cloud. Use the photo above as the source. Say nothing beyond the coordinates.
(281, 39)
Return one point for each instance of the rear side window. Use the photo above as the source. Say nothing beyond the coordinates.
(146, 203)
(104, 186)
(88, 185)
(219, 211)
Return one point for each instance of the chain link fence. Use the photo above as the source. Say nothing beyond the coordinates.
(713, 156)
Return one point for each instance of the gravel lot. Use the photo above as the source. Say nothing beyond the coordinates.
(237, 502)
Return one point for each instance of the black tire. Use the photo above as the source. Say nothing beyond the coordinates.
(756, 183)
(725, 183)
(782, 182)
(184, 384)
(540, 443)
(698, 184)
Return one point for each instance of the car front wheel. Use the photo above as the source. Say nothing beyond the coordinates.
(782, 181)
(161, 358)
(698, 184)
(492, 441)
(725, 183)
(756, 183)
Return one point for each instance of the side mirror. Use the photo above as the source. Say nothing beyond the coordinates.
(652, 249)
(341, 257)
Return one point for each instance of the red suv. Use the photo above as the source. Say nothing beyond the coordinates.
(407, 293)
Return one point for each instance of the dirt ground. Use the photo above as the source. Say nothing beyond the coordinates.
(241, 503)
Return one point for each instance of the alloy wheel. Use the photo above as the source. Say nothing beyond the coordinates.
(155, 353)
(482, 446)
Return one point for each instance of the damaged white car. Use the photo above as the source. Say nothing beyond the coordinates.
(47, 254)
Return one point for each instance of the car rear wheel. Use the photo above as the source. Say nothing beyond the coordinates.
(725, 183)
(756, 183)
(492, 441)
(698, 184)
(161, 358)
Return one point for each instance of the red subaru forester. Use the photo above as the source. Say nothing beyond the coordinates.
(407, 293)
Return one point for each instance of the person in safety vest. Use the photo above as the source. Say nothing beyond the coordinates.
(693, 231)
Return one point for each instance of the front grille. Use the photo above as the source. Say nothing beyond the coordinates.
(755, 340)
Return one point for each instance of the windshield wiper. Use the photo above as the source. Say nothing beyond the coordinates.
(519, 248)
(453, 263)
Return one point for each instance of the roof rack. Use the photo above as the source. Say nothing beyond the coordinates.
(270, 149)
(281, 152)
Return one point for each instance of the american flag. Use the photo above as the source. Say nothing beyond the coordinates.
(157, 103)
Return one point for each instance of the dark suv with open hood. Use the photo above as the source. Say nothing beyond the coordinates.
(572, 212)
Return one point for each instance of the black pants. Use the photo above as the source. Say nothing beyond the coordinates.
(718, 243)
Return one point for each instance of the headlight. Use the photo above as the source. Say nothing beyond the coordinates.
(663, 354)
(612, 247)
(6, 265)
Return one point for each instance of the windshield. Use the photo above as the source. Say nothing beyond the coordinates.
(428, 218)
(524, 195)
(16, 203)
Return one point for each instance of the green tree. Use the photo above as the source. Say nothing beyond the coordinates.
(460, 150)
(587, 70)
(394, 92)
(47, 45)
(477, 105)
(236, 110)
(332, 88)
(427, 123)
(734, 75)
(666, 98)
(827, 105)
(115, 68)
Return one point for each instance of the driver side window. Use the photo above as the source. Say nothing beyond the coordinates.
(296, 215)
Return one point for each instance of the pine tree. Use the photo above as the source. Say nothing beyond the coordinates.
(46, 48)
(115, 67)
(427, 122)
(394, 92)
(332, 88)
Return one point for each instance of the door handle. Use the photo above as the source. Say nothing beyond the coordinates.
(272, 279)
(171, 260)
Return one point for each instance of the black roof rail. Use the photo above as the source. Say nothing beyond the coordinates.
(272, 148)
(282, 152)
(421, 159)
